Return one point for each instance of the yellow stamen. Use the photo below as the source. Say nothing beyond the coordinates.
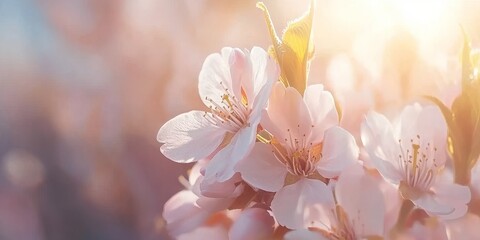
(415, 148)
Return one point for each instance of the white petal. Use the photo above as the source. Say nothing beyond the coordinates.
(432, 128)
(339, 151)
(244, 141)
(215, 77)
(432, 206)
(265, 74)
(452, 194)
(265, 69)
(221, 167)
(261, 170)
(378, 138)
(189, 137)
(362, 200)
(321, 107)
(408, 121)
(296, 206)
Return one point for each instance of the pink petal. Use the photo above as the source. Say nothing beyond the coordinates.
(182, 214)
(261, 170)
(287, 115)
(339, 151)
(254, 224)
(227, 189)
(432, 205)
(408, 122)
(432, 128)
(378, 138)
(189, 137)
(265, 74)
(217, 232)
(466, 228)
(240, 70)
(452, 194)
(215, 77)
(296, 206)
(359, 195)
(221, 167)
(323, 112)
(304, 234)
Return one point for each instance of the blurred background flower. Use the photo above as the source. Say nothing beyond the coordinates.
(86, 84)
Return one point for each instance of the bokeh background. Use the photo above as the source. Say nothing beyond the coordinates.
(86, 84)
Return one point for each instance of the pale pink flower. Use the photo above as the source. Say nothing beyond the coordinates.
(189, 209)
(412, 154)
(358, 212)
(306, 147)
(235, 85)
(182, 214)
(230, 188)
(252, 224)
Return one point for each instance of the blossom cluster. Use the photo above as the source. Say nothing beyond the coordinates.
(272, 161)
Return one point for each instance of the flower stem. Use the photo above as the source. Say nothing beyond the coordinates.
(405, 211)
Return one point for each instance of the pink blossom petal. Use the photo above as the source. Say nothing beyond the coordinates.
(217, 232)
(240, 70)
(182, 214)
(408, 122)
(296, 206)
(227, 189)
(287, 115)
(359, 195)
(212, 205)
(452, 194)
(261, 170)
(215, 77)
(189, 137)
(221, 167)
(304, 234)
(466, 228)
(377, 137)
(432, 205)
(323, 112)
(254, 224)
(432, 230)
(265, 71)
(339, 151)
(432, 128)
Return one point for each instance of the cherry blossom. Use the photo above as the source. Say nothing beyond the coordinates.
(306, 147)
(411, 154)
(235, 86)
(354, 215)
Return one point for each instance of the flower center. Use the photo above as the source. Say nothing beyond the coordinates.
(418, 164)
(231, 113)
(299, 156)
